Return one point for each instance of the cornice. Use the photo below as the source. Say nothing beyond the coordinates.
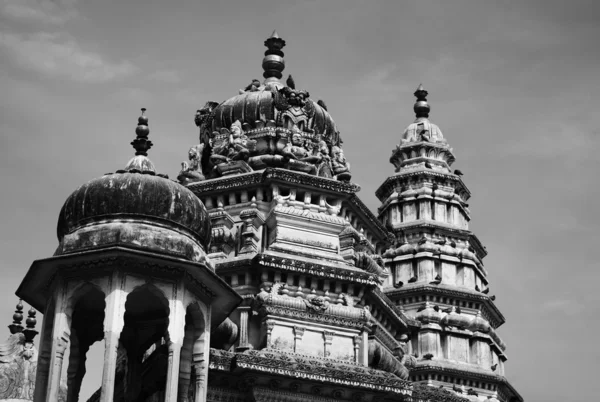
(418, 289)
(390, 308)
(348, 273)
(389, 184)
(267, 175)
(306, 368)
(378, 229)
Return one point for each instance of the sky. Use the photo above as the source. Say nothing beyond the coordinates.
(512, 84)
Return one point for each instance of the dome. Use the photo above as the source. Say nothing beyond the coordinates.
(261, 105)
(422, 126)
(134, 196)
(269, 124)
(135, 207)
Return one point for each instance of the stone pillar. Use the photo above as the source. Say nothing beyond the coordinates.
(328, 338)
(113, 325)
(185, 365)
(200, 362)
(199, 372)
(43, 364)
(244, 344)
(176, 334)
(298, 333)
(269, 326)
(60, 341)
(357, 348)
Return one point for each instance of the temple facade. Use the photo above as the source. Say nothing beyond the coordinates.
(260, 275)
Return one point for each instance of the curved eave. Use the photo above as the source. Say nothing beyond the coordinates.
(443, 290)
(391, 182)
(35, 287)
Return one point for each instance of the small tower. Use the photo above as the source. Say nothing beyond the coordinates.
(130, 268)
(437, 273)
(18, 358)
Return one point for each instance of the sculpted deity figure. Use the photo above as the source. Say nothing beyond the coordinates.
(192, 171)
(324, 169)
(299, 157)
(341, 167)
(234, 148)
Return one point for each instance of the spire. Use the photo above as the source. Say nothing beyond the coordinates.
(16, 326)
(140, 162)
(421, 107)
(273, 62)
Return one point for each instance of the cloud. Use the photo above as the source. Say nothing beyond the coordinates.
(167, 76)
(381, 84)
(567, 307)
(59, 55)
(55, 12)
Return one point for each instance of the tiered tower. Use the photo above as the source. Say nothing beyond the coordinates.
(437, 275)
(290, 235)
(130, 269)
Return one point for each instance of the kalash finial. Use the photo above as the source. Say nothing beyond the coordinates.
(273, 63)
(16, 326)
(421, 106)
(140, 163)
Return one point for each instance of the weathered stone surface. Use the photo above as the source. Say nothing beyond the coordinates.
(135, 196)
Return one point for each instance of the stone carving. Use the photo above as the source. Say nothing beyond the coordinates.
(317, 304)
(294, 107)
(203, 119)
(192, 172)
(234, 148)
(341, 167)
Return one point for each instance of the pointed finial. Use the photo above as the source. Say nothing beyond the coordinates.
(421, 107)
(273, 62)
(30, 331)
(16, 326)
(142, 144)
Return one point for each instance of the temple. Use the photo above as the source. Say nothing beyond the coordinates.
(260, 275)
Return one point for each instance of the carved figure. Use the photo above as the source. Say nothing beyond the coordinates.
(234, 148)
(299, 157)
(324, 168)
(203, 119)
(294, 106)
(317, 304)
(191, 172)
(341, 167)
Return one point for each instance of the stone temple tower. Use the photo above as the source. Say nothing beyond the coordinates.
(436, 271)
(130, 269)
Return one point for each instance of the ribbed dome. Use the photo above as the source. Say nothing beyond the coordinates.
(252, 106)
(135, 208)
(134, 196)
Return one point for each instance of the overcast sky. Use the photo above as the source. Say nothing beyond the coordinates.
(513, 86)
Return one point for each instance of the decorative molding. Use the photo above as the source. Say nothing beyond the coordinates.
(309, 368)
(317, 270)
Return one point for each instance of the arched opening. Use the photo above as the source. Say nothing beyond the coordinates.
(86, 309)
(192, 361)
(142, 356)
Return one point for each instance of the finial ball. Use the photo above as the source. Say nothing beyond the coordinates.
(143, 119)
